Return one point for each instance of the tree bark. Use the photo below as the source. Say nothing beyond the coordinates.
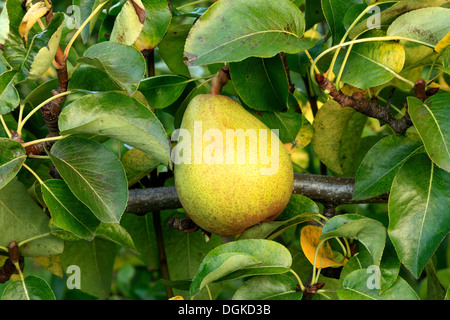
(323, 189)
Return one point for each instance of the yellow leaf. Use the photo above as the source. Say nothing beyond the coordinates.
(309, 240)
(444, 43)
(37, 11)
(177, 298)
(137, 164)
(129, 23)
(51, 263)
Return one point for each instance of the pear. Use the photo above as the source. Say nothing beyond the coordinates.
(231, 172)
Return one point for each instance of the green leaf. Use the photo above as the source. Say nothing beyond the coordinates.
(432, 121)
(380, 60)
(371, 233)
(10, 19)
(298, 204)
(94, 175)
(235, 30)
(14, 50)
(161, 91)
(157, 20)
(96, 260)
(22, 219)
(313, 13)
(9, 97)
(32, 61)
(141, 230)
(12, 156)
(129, 22)
(381, 163)
(330, 126)
(390, 14)
(242, 258)
(261, 83)
(355, 287)
(288, 122)
(185, 250)
(222, 265)
(37, 289)
(334, 12)
(274, 287)
(389, 266)
(171, 48)
(352, 145)
(67, 212)
(92, 79)
(428, 25)
(116, 233)
(40, 94)
(418, 216)
(124, 64)
(435, 289)
(298, 210)
(270, 230)
(86, 7)
(120, 117)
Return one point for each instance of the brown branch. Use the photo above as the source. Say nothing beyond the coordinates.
(51, 111)
(328, 190)
(370, 108)
(286, 69)
(9, 267)
(184, 224)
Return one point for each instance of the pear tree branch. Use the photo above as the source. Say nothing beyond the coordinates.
(371, 108)
(328, 190)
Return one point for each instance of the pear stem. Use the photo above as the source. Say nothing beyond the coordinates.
(220, 80)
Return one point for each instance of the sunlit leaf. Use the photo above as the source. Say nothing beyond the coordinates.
(235, 30)
(123, 64)
(67, 211)
(355, 287)
(274, 287)
(116, 115)
(432, 121)
(94, 175)
(34, 13)
(418, 216)
(36, 289)
(22, 219)
(429, 25)
(12, 156)
(242, 258)
(129, 22)
(310, 240)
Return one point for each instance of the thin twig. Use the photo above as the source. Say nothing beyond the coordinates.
(287, 71)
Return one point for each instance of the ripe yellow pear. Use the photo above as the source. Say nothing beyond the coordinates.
(231, 171)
